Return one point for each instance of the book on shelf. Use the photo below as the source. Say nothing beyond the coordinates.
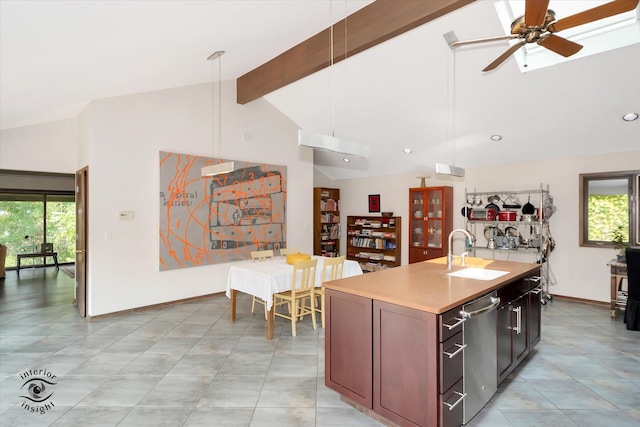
(329, 218)
(365, 222)
(329, 205)
(366, 242)
(335, 231)
(373, 266)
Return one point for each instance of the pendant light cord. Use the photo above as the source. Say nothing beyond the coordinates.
(331, 53)
(333, 101)
(216, 150)
(453, 119)
(451, 101)
(220, 108)
(213, 101)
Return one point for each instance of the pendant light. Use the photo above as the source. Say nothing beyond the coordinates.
(221, 167)
(330, 142)
(443, 168)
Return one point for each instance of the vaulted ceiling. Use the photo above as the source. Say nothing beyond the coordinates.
(410, 91)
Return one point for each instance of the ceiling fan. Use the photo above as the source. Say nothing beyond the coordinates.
(539, 24)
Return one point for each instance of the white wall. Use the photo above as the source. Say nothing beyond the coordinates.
(45, 147)
(84, 138)
(119, 139)
(579, 272)
(126, 135)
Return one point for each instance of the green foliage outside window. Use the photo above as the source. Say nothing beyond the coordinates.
(606, 213)
(21, 228)
(61, 229)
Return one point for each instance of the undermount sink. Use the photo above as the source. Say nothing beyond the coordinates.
(478, 273)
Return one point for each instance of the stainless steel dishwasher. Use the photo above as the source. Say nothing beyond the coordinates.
(480, 364)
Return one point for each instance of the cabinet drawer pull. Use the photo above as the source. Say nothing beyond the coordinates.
(536, 290)
(455, 325)
(460, 348)
(453, 405)
(535, 279)
(518, 327)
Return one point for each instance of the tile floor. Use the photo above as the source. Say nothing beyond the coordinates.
(187, 365)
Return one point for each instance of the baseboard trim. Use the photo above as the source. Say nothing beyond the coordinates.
(155, 306)
(582, 300)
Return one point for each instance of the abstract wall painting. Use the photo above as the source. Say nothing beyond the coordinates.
(218, 219)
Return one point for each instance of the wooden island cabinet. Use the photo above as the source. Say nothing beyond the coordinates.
(394, 340)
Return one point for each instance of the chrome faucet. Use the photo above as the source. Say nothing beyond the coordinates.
(450, 254)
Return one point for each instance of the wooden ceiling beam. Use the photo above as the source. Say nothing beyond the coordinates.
(367, 27)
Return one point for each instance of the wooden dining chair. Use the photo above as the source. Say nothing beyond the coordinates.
(331, 270)
(302, 290)
(286, 251)
(260, 256)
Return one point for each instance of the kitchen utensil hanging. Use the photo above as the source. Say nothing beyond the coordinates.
(528, 208)
(491, 231)
(511, 202)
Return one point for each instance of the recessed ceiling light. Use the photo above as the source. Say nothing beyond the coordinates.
(496, 137)
(629, 117)
(346, 160)
(407, 151)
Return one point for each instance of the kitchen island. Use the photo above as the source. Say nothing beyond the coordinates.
(394, 341)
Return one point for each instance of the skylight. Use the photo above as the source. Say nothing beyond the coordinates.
(596, 37)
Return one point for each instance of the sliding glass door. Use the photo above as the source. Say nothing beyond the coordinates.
(29, 222)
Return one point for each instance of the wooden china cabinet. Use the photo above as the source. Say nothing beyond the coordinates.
(430, 222)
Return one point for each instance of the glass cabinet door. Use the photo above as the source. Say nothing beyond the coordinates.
(418, 214)
(435, 233)
(430, 222)
(434, 199)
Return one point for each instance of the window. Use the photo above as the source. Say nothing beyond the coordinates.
(607, 201)
(29, 220)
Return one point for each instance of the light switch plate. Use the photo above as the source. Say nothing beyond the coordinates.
(126, 215)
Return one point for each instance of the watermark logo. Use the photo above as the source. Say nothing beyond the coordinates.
(37, 389)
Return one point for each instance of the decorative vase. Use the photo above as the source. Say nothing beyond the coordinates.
(423, 182)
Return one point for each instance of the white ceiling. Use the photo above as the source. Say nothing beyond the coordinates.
(55, 56)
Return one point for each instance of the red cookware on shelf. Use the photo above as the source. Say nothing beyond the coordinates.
(507, 215)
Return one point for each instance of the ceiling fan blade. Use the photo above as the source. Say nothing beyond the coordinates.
(560, 45)
(486, 39)
(535, 12)
(599, 12)
(499, 60)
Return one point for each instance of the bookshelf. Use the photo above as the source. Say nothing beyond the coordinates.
(375, 242)
(326, 221)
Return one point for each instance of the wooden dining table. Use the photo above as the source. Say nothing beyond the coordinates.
(266, 278)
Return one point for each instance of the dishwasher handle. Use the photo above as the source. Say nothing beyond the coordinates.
(495, 302)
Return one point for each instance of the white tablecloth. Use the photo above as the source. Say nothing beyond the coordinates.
(263, 279)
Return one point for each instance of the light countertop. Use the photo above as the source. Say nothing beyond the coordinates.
(425, 285)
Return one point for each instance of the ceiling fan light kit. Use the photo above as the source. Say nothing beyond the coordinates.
(538, 25)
